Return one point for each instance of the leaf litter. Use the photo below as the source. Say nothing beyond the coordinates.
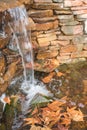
(55, 116)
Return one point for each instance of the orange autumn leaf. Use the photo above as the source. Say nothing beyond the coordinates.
(59, 74)
(48, 78)
(33, 127)
(56, 104)
(74, 114)
(35, 111)
(66, 120)
(32, 121)
(7, 100)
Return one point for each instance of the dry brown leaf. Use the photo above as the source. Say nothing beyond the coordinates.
(74, 114)
(32, 121)
(33, 127)
(48, 78)
(56, 104)
(35, 111)
(7, 100)
(59, 74)
(65, 119)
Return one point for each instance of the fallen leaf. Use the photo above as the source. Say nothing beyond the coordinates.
(56, 104)
(33, 127)
(65, 119)
(32, 121)
(74, 114)
(61, 127)
(48, 78)
(7, 100)
(35, 111)
(59, 74)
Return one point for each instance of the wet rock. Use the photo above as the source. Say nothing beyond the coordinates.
(2, 65)
(4, 5)
(4, 42)
(31, 25)
(47, 65)
(1, 109)
(7, 77)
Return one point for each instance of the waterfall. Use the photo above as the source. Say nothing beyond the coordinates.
(20, 41)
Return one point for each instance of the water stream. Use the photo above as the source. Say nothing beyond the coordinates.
(21, 43)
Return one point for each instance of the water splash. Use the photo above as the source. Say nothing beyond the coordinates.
(20, 41)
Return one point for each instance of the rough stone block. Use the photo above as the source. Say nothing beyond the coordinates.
(40, 13)
(79, 54)
(57, 1)
(47, 26)
(47, 6)
(69, 17)
(72, 30)
(42, 1)
(45, 19)
(62, 12)
(42, 41)
(47, 54)
(68, 49)
(70, 3)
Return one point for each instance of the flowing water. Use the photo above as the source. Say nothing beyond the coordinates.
(20, 42)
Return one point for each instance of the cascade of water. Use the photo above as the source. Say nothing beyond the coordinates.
(24, 46)
(18, 27)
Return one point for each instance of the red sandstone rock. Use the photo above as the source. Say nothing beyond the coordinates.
(79, 7)
(54, 48)
(63, 37)
(68, 22)
(71, 30)
(44, 39)
(40, 13)
(63, 59)
(70, 3)
(63, 43)
(69, 17)
(4, 42)
(47, 6)
(76, 12)
(79, 54)
(44, 20)
(42, 1)
(62, 12)
(85, 47)
(47, 26)
(68, 49)
(47, 54)
(31, 25)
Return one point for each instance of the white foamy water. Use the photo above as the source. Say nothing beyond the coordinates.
(20, 41)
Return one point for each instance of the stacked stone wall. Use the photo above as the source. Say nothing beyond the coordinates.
(59, 29)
